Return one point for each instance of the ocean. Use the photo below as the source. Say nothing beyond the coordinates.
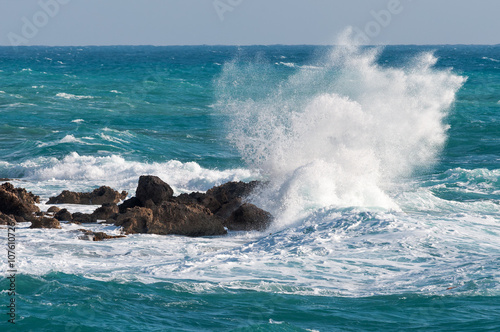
(381, 164)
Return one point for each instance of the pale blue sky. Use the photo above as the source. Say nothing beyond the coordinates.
(246, 22)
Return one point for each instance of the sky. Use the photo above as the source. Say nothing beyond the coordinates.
(246, 22)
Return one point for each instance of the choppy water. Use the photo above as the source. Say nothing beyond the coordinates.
(383, 170)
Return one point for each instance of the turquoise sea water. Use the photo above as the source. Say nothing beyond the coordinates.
(383, 171)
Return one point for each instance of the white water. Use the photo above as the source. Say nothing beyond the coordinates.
(338, 136)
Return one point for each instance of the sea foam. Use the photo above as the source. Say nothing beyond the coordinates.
(340, 135)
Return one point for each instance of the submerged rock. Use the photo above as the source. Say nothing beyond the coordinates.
(99, 196)
(97, 236)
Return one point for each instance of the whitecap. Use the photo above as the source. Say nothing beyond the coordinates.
(78, 121)
(72, 96)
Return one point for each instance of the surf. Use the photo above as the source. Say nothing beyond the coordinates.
(341, 135)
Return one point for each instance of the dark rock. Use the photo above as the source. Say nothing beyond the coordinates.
(64, 215)
(227, 209)
(53, 209)
(17, 201)
(188, 220)
(83, 218)
(99, 196)
(248, 217)
(105, 212)
(129, 203)
(7, 220)
(153, 188)
(97, 236)
(44, 222)
(227, 192)
(135, 220)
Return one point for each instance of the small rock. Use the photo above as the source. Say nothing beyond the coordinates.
(64, 215)
(44, 222)
(53, 209)
(97, 236)
(83, 218)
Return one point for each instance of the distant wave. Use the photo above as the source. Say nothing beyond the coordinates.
(71, 96)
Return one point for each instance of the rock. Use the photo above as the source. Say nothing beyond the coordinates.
(129, 203)
(153, 188)
(7, 220)
(135, 220)
(44, 222)
(227, 192)
(249, 217)
(227, 209)
(106, 211)
(99, 196)
(83, 218)
(188, 220)
(17, 201)
(53, 209)
(97, 236)
(64, 215)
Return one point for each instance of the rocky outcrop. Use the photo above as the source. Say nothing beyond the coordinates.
(99, 196)
(45, 222)
(18, 203)
(97, 236)
(156, 211)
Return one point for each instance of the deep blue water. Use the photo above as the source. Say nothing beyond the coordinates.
(383, 170)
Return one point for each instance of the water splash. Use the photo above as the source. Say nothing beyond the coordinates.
(338, 133)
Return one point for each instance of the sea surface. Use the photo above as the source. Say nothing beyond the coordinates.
(382, 167)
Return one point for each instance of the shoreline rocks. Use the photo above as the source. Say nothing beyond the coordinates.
(155, 209)
(99, 196)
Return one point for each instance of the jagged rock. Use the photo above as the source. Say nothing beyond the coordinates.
(17, 201)
(97, 236)
(129, 203)
(105, 212)
(188, 220)
(7, 220)
(83, 218)
(153, 188)
(44, 222)
(248, 217)
(64, 215)
(53, 209)
(135, 220)
(227, 192)
(99, 196)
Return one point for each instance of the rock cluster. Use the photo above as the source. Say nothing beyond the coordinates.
(101, 195)
(155, 210)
